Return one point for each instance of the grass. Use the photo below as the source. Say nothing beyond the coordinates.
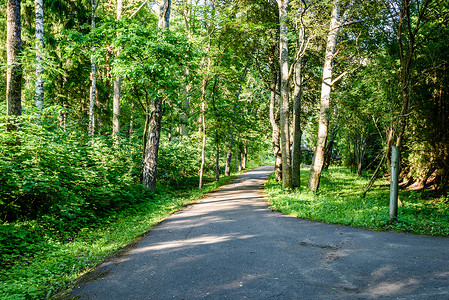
(339, 201)
(51, 264)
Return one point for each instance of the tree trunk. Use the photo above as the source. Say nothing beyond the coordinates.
(39, 86)
(117, 91)
(149, 172)
(244, 155)
(188, 87)
(330, 147)
(238, 161)
(131, 121)
(164, 14)
(274, 113)
(296, 151)
(318, 157)
(152, 144)
(133, 111)
(93, 75)
(14, 70)
(203, 125)
(229, 155)
(186, 105)
(284, 89)
(203, 110)
(217, 160)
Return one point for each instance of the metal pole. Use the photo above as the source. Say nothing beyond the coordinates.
(394, 183)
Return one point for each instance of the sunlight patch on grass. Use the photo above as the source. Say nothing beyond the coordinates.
(339, 201)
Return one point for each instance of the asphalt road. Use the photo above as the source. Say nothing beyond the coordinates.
(230, 245)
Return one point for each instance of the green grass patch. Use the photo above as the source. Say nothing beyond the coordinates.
(37, 261)
(339, 201)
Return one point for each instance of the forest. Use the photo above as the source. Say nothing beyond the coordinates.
(110, 104)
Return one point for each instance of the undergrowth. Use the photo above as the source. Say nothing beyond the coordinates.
(36, 263)
(339, 201)
(67, 200)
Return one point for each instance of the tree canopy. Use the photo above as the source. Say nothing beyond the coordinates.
(221, 83)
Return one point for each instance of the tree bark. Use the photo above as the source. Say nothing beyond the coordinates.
(117, 91)
(39, 85)
(296, 151)
(318, 157)
(14, 70)
(131, 121)
(229, 155)
(152, 144)
(274, 113)
(188, 87)
(244, 156)
(203, 126)
(150, 162)
(284, 89)
(330, 147)
(93, 75)
(164, 14)
(217, 160)
(238, 161)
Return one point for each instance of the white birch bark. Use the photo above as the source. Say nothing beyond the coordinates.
(203, 112)
(318, 157)
(203, 123)
(117, 90)
(39, 85)
(284, 89)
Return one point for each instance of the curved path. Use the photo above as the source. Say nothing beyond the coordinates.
(230, 245)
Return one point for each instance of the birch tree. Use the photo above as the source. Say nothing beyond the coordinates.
(14, 70)
(336, 23)
(207, 62)
(203, 120)
(39, 85)
(93, 73)
(284, 89)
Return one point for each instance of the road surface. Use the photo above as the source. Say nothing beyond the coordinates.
(230, 245)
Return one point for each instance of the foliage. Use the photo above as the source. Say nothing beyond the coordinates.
(339, 202)
(68, 201)
(55, 171)
(37, 264)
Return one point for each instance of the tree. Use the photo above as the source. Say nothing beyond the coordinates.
(274, 116)
(204, 82)
(302, 43)
(410, 17)
(14, 70)
(39, 93)
(336, 23)
(117, 89)
(284, 89)
(154, 126)
(93, 73)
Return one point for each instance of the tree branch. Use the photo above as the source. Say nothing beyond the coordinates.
(138, 9)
